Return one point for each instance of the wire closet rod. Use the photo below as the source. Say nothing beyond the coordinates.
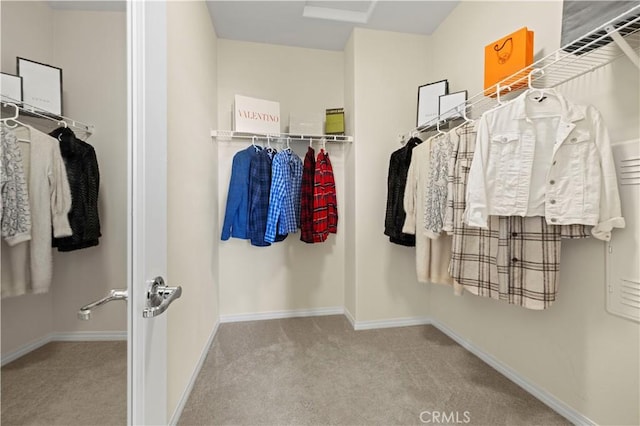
(60, 119)
(586, 54)
(230, 134)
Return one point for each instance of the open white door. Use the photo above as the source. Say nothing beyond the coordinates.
(147, 378)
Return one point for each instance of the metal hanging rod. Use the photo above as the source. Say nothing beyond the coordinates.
(610, 41)
(230, 134)
(60, 119)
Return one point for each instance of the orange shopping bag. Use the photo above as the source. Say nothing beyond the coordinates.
(506, 57)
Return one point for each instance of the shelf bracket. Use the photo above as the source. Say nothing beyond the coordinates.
(624, 45)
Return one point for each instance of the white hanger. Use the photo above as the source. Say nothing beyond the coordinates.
(14, 118)
(498, 90)
(541, 91)
(533, 71)
(324, 144)
(310, 142)
(288, 142)
(438, 127)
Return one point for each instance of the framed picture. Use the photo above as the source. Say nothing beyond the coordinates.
(452, 105)
(428, 101)
(42, 86)
(11, 88)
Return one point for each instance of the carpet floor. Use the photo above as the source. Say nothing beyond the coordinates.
(67, 383)
(319, 371)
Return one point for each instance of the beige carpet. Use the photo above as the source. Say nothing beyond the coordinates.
(317, 371)
(67, 383)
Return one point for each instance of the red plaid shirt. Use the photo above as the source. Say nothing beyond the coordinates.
(325, 206)
(306, 197)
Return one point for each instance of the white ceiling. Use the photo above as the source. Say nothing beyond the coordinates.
(283, 22)
(319, 24)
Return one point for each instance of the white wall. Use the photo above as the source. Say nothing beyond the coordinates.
(91, 49)
(387, 73)
(290, 274)
(575, 350)
(192, 190)
(27, 31)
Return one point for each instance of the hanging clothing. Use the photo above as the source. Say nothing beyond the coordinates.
(259, 187)
(514, 259)
(396, 183)
(284, 197)
(50, 203)
(81, 165)
(545, 157)
(15, 212)
(435, 200)
(306, 196)
(237, 209)
(325, 205)
(432, 255)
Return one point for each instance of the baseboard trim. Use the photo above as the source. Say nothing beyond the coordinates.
(89, 336)
(395, 322)
(194, 376)
(292, 313)
(350, 317)
(545, 397)
(75, 336)
(23, 350)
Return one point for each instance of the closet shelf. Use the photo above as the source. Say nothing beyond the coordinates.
(614, 39)
(31, 110)
(231, 134)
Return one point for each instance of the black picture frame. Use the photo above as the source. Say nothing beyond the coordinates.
(42, 86)
(11, 88)
(428, 101)
(451, 105)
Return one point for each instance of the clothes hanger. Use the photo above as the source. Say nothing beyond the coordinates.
(288, 143)
(466, 120)
(310, 142)
(14, 118)
(498, 96)
(253, 142)
(440, 132)
(532, 90)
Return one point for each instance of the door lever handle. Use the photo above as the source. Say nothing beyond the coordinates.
(159, 297)
(85, 312)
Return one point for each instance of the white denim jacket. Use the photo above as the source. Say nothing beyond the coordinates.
(544, 158)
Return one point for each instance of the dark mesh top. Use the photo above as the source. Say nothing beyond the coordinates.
(84, 180)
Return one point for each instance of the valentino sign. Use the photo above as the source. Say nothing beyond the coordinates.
(256, 115)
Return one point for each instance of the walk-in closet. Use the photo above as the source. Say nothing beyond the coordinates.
(327, 212)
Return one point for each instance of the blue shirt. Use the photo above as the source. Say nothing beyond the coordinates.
(235, 216)
(259, 187)
(284, 201)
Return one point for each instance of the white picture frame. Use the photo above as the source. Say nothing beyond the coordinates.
(428, 101)
(451, 105)
(42, 86)
(11, 88)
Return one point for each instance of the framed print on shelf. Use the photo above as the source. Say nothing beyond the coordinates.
(452, 105)
(42, 86)
(11, 88)
(428, 101)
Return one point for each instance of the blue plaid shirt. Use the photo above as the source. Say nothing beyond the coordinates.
(259, 186)
(284, 200)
